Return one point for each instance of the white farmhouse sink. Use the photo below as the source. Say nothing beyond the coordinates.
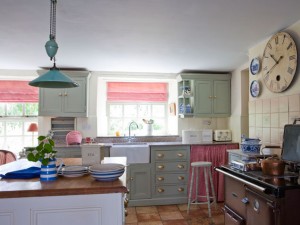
(135, 152)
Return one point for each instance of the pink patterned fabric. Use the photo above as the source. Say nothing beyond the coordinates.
(18, 91)
(137, 91)
(6, 157)
(216, 154)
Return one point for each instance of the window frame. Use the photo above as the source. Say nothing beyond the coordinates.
(137, 120)
(25, 137)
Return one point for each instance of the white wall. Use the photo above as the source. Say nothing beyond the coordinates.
(239, 94)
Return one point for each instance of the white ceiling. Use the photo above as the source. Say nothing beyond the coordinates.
(165, 36)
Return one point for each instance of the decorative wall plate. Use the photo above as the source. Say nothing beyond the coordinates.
(254, 88)
(254, 66)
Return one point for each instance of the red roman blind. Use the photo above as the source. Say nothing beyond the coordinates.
(137, 91)
(18, 91)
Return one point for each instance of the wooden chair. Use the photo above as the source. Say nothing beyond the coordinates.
(6, 157)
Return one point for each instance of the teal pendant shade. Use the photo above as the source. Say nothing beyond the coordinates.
(53, 79)
(51, 48)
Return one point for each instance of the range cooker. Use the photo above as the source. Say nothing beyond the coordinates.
(253, 198)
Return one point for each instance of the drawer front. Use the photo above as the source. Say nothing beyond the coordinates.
(231, 218)
(166, 178)
(234, 194)
(170, 155)
(170, 190)
(171, 166)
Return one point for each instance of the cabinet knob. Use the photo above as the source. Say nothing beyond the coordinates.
(210, 97)
(126, 212)
(160, 190)
(180, 177)
(131, 178)
(179, 166)
(65, 94)
(161, 167)
(180, 155)
(180, 189)
(160, 178)
(60, 94)
(160, 155)
(215, 96)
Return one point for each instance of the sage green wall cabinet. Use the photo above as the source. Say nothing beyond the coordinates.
(170, 168)
(211, 94)
(68, 101)
(139, 181)
(212, 98)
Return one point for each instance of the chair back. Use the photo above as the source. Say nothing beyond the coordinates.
(6, 157)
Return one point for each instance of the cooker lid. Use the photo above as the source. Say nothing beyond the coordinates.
(291, 142)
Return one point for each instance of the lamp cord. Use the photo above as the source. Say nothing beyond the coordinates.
(53, 19)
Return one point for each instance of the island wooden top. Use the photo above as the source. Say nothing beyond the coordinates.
(84, 185)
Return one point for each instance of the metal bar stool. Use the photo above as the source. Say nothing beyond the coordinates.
(207, 170)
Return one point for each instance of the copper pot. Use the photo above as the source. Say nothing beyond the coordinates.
(273, 166)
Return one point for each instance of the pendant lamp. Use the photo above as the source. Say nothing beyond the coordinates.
(53, 78)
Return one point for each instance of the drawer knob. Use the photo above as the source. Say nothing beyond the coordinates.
(179, 166)
(160, 155)
(180, 177)
(160, 190)
(161, 167)
(131, 178)
(180, 189)
(180, 155)
(160, 178)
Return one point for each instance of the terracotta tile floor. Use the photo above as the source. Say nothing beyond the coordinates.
(174, 215)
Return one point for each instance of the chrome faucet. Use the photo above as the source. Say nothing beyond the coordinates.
(129, 128)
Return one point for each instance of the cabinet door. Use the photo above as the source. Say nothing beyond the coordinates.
(221, 97)
(50, 101)
(203, 97)
(140, 181)
(75, 98)
(64, 102)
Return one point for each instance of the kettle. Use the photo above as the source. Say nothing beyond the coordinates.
(272, 166)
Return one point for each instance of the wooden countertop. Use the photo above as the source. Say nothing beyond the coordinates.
(15, 188)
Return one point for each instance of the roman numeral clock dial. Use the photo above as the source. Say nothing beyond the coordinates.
(279, 62)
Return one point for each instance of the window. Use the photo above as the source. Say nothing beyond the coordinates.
(139, 102)
(18, 108)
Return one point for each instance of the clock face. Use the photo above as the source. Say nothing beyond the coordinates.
(279, 62)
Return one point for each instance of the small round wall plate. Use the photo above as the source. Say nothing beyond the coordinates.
(254, 88)
(254, 66)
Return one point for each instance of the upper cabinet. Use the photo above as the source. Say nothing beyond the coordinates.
(71, 102)
(210, 95)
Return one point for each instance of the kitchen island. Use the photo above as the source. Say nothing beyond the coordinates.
(67, 201)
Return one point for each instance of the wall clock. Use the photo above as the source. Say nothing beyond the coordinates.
(254, 66)
(279, 62)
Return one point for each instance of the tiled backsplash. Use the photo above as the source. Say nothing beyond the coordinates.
(267, 117)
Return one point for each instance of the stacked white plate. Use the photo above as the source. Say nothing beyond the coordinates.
(107, 172)
(73, 171)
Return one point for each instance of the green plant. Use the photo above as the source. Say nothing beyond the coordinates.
(44, 152)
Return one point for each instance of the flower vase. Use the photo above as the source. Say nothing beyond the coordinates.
(49, 172)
